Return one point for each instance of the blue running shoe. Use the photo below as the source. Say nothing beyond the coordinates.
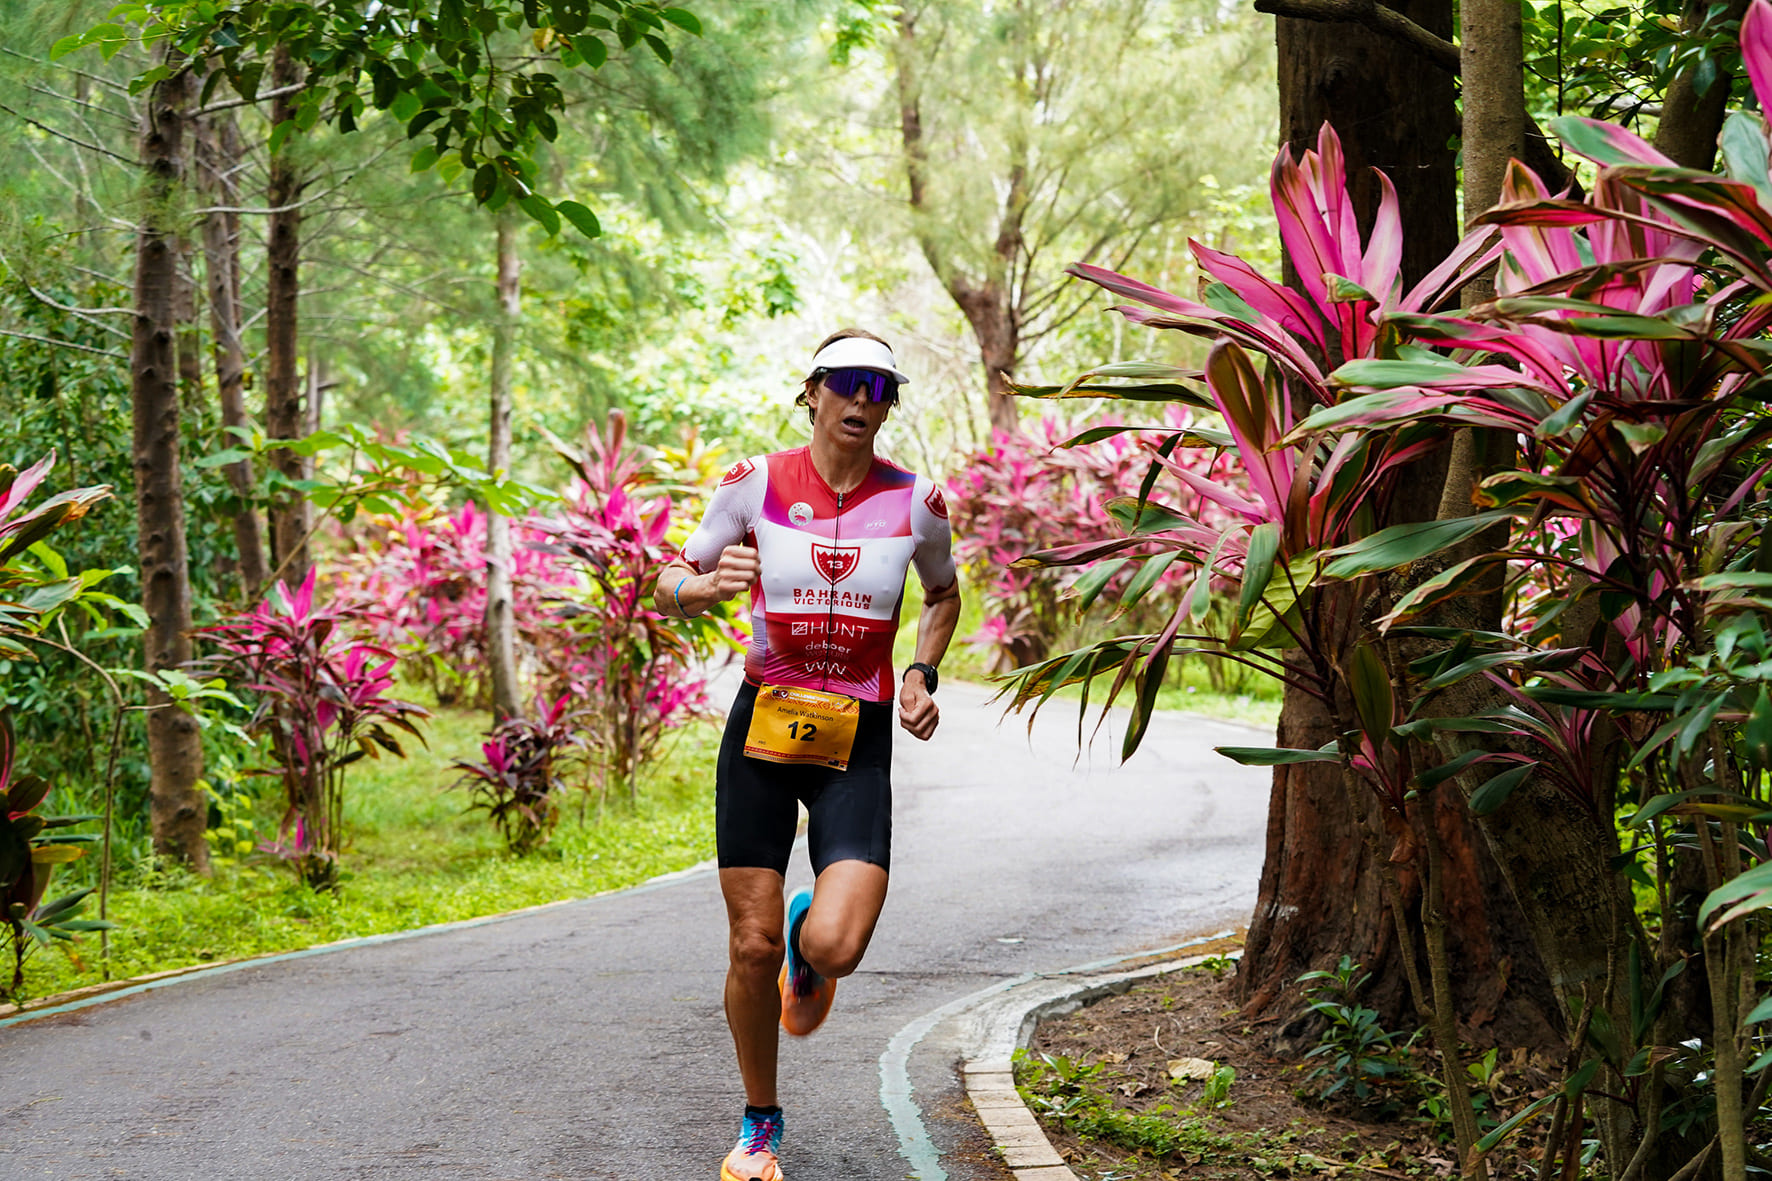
(753, 1158)
(805, 995)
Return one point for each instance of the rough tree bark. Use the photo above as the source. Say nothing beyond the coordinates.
(501, 640)
(218, 158)
(1320, 895)
(285, 417)
(175, 753)
(1690, 122)
(988, 300)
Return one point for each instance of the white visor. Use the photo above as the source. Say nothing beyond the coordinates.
(857, 352)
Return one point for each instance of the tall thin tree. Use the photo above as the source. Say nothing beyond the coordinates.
(175, 752)
(501, 647)
(219, 158)
(285, 417)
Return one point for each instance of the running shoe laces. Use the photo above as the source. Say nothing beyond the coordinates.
(761, 1133)
(753, 1158)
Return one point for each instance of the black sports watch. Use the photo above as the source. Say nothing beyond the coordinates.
(931, 678)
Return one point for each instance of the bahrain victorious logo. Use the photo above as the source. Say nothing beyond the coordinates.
(739, 471)
(835, 562)
(936, 504)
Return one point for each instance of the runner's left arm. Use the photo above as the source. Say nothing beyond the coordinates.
(934, 560)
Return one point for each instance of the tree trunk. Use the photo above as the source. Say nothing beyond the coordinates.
(1493, 75)
(284, 415)
(1320, 895)
(219, 156)
(501, 640)
(987, 304)
(1690, 122)
(994, 327)
(178, 815)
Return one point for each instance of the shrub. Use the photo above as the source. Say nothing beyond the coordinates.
(31, 846)
(523, 772)
(323, 702)
(420, 575)
(1034, 489)
(644, 669)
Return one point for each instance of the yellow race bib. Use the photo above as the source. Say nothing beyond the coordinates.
(790, 725)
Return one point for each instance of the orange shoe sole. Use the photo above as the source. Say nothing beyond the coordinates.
(771, 1172)
(800, 1015)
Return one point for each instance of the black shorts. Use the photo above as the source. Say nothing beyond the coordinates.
(851, 811)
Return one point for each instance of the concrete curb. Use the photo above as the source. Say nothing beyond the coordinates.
(1007, 1023)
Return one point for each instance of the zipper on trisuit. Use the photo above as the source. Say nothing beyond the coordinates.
(830, 622)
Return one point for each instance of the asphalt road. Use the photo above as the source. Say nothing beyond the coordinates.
(586, 1040)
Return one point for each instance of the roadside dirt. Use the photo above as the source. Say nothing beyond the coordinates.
(1124, 1049)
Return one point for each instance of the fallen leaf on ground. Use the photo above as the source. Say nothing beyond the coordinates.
(1182, 1069)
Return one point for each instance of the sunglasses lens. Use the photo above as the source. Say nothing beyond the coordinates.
(844, 383)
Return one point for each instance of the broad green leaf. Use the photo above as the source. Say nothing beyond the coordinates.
(1565, 417)
(1258, 568)
(1400, 545)
(683, 19)
(1375, 374)
(1595, 699)
(539, 208)
(1747, 893)
(1513, 1124)
(1434, 776)
(1447, 584)
(1494, 793)
(1370, 684)
(582, 219)
(1743, 144)
(1265, 756)
(1151, 518)
(1094, 580)
(1147, 576)
(56, 854)
(1345, 290)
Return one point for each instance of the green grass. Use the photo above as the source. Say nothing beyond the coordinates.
(413, 857)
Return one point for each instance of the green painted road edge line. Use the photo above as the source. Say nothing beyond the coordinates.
(914, 1143)
(117, 994)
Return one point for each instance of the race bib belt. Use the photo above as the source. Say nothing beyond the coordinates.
(790, 725)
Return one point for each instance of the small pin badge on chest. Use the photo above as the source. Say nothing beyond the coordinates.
(800, 514)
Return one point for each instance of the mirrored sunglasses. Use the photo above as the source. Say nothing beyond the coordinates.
(844, 383)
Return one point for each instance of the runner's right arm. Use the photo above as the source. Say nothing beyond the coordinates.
(737, 570)
(717, 561)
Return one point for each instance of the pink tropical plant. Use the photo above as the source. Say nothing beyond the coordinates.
(640, 673)
(1028, 490)
(525, 767)
(1624, 358)
(31, 846)
(324, 702)
(29, 596)
(420, 576)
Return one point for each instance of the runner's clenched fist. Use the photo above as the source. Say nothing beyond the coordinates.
(737, 570)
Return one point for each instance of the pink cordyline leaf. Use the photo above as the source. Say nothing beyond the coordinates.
(1756, 49)
(24, 484)
(1279, 304)
(1615, 139)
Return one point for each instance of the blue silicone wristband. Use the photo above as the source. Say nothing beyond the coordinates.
(678, 595)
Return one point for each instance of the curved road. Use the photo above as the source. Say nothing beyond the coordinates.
(586, 1040)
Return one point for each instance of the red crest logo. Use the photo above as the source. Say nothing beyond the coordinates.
(739, 471)
(936, 503)
(835, 562)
